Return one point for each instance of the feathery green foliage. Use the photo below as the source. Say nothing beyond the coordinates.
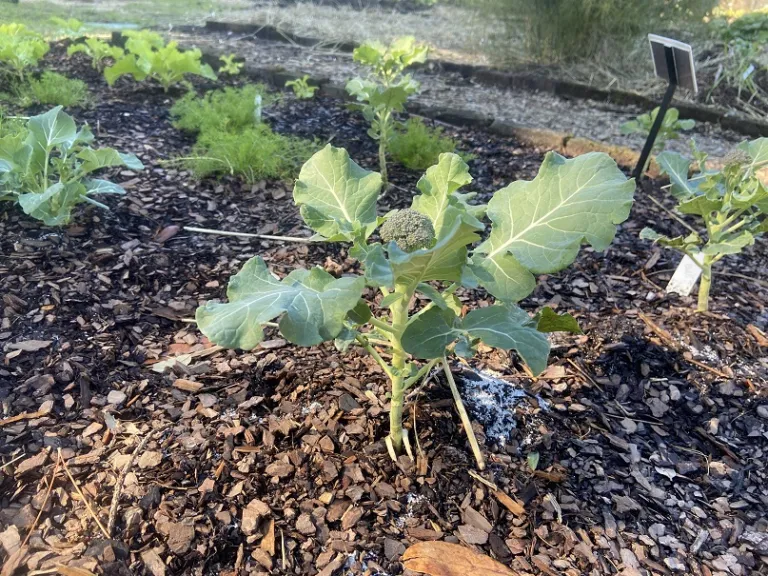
(418, 146)
(53, 89)
(230, 109)
(233, 140)
(254, 153)
(46, 167)
(732, 203)
(537, 228)
(98, 51)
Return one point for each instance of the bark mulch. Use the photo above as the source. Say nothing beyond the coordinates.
(642, 449)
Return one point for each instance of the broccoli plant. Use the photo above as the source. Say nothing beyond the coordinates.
(670, 127)
(20, 49)
(386, 89)
(229, 65)
(732, 202)
(426, 251)
(301, 88)
(97, 50)
(68, 26)
(47, 164)
(148, 56)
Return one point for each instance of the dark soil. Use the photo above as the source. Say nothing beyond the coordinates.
(651, 429)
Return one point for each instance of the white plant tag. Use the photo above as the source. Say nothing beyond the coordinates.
(686, 275)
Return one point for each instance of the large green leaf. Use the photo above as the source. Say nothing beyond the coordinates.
(106, 158)
(378, 270)
(677, 167)
(54, 205)
(731, 245)
(538, 226)
(312, 305)
(337, 198)
(52, 128)
(757, 150)
(507, 327)
(438, 198)
(510, 328)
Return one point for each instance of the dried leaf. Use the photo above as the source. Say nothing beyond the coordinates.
(444, 559)
(73, 571)
(31, 345)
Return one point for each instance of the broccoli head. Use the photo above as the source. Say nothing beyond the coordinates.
(409, 229)
(737, 157)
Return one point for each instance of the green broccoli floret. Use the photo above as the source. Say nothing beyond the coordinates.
(737, 157)
(409, 229)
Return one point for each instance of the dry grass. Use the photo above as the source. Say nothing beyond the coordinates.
(454, 33)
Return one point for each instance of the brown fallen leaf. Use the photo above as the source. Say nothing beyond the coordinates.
(758, 335)
(445, 559)
(510, 503)
(73, 571)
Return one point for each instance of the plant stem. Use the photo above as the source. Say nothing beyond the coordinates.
(249, 235)
(383, 163)
(399, 321)
(705, 284)
(380, 324)
(375, 355)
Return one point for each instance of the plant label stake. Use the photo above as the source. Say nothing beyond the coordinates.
(672, 61)
(686, 275)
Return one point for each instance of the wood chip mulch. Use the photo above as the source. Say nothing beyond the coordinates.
(649, 432)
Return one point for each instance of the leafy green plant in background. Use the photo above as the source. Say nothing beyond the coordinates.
(301, 88)
(386, 89)
(418, 146)
(229, 66)
(97, 50)
(68, 26)
(427, 250)
(148, 56)
(52, 89)
(670, 127)
(46, 167)
(744, 55)
(231, 138)
(731, 202)
(20, 49)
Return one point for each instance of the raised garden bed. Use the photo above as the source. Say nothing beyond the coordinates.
(651, 429)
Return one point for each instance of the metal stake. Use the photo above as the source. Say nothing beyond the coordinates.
(665, 102)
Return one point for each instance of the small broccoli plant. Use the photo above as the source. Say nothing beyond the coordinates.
(20, 49)
(46, 166)
(386, 89)
(732, 202)
(98, 51)
(148, 56)
(302, 89)
(229, 65)
(427, 252)
(670, 127)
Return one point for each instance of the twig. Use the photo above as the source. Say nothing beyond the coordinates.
(249, 235)
(22, 416)
(672, 214)
(85, 500)
(45, 500)
(482, 480)
(464, 416)
(121, 480)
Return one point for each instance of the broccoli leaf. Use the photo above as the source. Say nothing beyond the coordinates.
(312, 306)
(677, 167)
(337, 198)
(538, 226)
(547, 320)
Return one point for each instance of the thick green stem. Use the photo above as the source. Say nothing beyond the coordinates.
(704, 285)
(383, 162)
(399, 321)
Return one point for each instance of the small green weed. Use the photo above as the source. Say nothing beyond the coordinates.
(229, 66)
(254, 153)
(301, 88)
(418, 146)
(230, 109)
